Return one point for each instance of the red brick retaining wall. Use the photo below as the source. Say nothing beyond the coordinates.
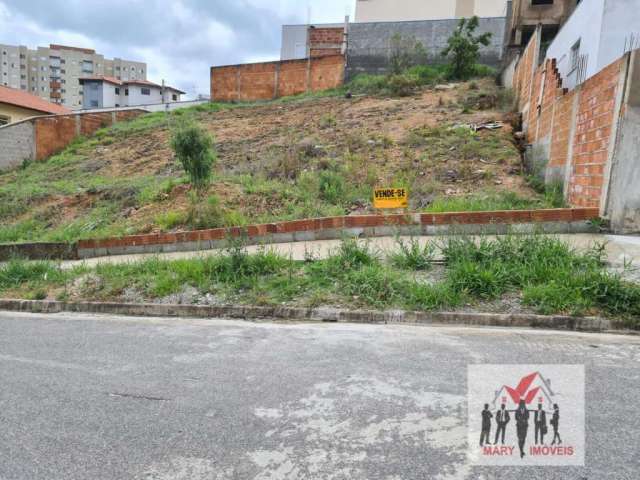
(349, 222)
(53, 133)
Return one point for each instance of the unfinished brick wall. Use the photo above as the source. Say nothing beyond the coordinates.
(594, 126)
(325, 42)
(572, 128)
(265, 81)
(53, 133)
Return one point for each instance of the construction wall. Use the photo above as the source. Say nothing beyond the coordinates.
(369, 44)
(575, 136)
(266, 81)
(38, 138)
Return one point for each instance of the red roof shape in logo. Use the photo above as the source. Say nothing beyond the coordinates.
(529, 388)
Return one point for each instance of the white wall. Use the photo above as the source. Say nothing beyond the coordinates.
(136, 98)
(408, 10)
(621, 20)
(601, 26)
(109, 97)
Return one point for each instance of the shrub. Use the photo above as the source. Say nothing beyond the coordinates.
(194, 148)
(464, 48)
(332, 188)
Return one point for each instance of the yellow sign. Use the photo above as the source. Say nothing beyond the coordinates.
(386, 198)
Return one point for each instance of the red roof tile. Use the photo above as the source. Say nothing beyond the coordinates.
(22, 99)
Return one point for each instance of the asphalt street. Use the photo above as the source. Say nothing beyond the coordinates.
(96, 397)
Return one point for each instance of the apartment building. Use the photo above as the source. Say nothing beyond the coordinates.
(53, 72)
(369, 11)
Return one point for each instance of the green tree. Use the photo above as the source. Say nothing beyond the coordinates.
(193, 146)
(463, 46)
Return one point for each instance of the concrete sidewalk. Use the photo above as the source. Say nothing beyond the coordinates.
(620, 249)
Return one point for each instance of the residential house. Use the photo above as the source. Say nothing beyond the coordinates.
(16, 105)
(110, 92)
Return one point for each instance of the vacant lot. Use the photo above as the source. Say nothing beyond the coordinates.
(280, 160)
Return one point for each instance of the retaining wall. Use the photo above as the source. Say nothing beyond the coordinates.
(266, 81)
(369, 44)
(38, 138)
(583, 137)
(360, 226)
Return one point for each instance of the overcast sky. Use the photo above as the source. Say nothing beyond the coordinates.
(178, 39)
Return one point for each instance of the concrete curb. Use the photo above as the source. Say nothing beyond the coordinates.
(253, 313)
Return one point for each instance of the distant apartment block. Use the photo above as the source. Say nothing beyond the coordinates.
(374, 11)
(53, 73)
(110, 92)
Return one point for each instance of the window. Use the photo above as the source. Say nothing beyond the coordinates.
(174, 97)
(126, 92)
(541, 2)
(117, 105)
(94, 103)
(4, 120)
(145, 91)
(87, 66)
(117, 91)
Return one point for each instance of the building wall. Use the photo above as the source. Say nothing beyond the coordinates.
(585, 26)
(54, 73)
(410, 10)
(137, 98)
(604, 29)
(17, 144)
(15, 114)
(369, 44)
(265, 81)
(586, 137)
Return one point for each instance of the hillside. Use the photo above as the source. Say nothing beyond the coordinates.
(286, 159)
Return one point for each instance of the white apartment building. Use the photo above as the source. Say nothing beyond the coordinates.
(408, 10)
(53, 73)
(110, 92)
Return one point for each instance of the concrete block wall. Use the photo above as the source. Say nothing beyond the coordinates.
(17, 143)
(583, 137)
(266, 81)
(369, 44)
(38, 138)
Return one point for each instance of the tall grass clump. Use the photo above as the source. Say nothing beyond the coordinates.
(412, 256)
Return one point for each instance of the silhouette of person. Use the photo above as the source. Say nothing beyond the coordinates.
(522, 425)
(502, 418)
(555, 423)
(486, 425)
(540, 421)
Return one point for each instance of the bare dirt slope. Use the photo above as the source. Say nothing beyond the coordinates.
(280, 160)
